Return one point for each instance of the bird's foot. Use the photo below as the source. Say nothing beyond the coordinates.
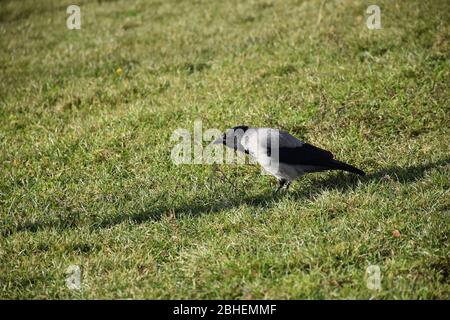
(283, 184)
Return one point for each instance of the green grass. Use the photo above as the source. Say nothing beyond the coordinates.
(86, 175)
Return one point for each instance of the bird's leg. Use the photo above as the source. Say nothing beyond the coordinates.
(281, 184)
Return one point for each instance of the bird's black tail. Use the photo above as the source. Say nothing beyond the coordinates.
(338, 165)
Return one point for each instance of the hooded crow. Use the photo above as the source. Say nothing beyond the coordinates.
(281, 154)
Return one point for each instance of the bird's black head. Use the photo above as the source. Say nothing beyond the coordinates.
(232, 137)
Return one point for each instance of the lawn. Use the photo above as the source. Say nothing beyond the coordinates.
(87, 178)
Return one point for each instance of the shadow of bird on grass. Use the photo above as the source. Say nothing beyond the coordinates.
(341, 181)
(197, 207)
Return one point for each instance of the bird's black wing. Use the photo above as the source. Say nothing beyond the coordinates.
(315, 158)
(306, 154)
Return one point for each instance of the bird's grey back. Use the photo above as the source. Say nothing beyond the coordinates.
(268, 138)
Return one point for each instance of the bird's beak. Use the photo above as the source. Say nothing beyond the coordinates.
(218, 140)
